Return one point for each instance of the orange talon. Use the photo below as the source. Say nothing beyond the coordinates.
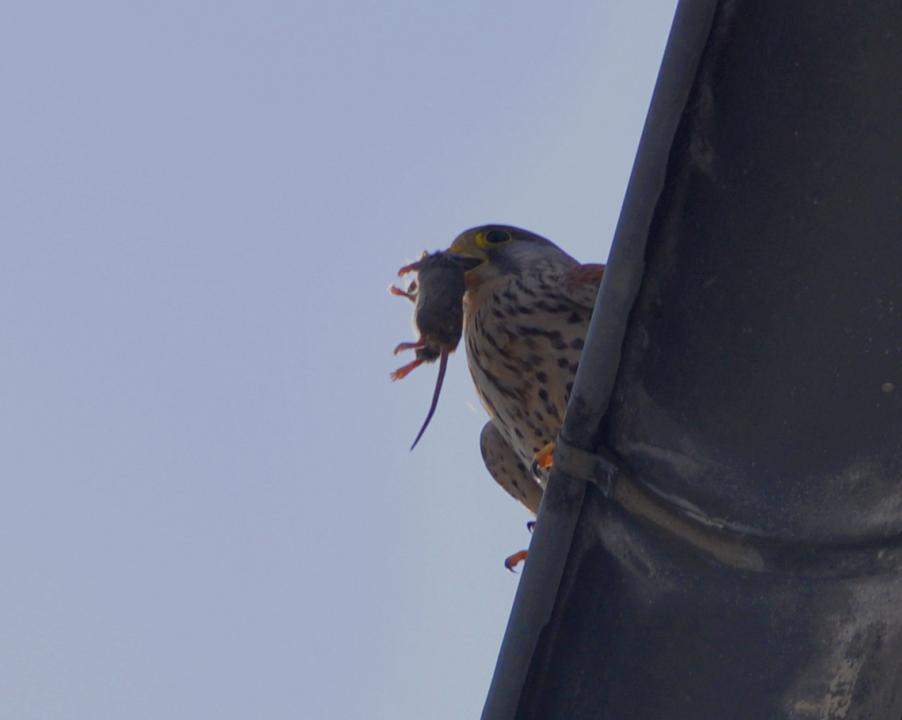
(515, 560)
(405, 370)
(544, 459)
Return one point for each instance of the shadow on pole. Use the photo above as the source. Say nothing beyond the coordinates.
(722, 534)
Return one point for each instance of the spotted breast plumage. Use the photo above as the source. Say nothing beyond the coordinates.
(526, 311)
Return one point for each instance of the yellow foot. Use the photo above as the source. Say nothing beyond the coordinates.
(543, 459)
(515, 560)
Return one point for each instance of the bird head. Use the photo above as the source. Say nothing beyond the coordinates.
(494, 250)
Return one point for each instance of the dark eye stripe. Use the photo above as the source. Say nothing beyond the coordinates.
(493, 237)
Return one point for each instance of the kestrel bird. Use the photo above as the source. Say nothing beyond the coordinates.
(526, 311)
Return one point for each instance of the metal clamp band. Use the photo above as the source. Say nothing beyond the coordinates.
(586, 466)
(727, 545)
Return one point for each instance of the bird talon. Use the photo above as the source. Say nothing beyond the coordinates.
(515, 559)
(542, 461)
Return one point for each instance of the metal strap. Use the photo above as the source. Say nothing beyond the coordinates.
(727, 545)
(588, 467)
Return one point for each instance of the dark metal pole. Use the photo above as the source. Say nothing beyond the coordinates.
(722, 535)
(561, 504)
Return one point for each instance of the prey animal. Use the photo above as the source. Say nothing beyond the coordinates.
(437, 294)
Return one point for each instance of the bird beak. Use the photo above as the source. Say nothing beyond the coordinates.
(467, 254)
(468, 263)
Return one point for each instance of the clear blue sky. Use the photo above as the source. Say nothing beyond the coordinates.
(208, 506)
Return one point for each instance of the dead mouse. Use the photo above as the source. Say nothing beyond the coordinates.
(438, 294)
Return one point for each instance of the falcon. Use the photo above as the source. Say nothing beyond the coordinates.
(527, 306)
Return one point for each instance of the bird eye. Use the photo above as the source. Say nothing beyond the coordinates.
(493, 237)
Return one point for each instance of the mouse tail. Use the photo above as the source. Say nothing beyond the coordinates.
(442, 366)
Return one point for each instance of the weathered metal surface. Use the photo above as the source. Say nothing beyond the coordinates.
(747, 566)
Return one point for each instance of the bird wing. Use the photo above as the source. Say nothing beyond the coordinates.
(509, 472)
(582, 283)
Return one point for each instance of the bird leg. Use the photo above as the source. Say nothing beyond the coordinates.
(515, 559)
(511, 562)
(543, 459)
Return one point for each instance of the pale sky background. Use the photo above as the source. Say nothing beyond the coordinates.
(207, 504)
